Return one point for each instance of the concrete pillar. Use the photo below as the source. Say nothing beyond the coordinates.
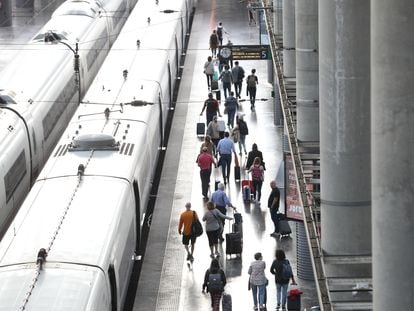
(289, 55)
(392, 109)
(5, 13)
(307, 80)
(278, 18)
(344, 79)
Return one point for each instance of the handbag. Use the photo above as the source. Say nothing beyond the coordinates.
(196, 227)
(225, 110)
(249, 285)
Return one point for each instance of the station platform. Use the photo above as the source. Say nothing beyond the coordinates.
(166, 282)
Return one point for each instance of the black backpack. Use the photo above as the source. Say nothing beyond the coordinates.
(215, 284)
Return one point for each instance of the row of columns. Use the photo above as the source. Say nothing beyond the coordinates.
(354, 67)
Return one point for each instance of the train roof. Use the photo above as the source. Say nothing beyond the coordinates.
(89, 219)
(68, 287)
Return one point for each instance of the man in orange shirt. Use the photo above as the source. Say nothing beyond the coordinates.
(184, 228)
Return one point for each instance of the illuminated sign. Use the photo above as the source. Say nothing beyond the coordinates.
(251, 52)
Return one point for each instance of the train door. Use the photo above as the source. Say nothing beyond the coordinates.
(137, 215)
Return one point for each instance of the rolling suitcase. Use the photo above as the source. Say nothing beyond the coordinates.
(237, 173)
(238, 223)
(201, 128)
(284, 228)
(226, 303)
(238, 218)
(247, 188)
(234, 243)
(234, 240)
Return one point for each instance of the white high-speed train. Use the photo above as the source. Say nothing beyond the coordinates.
(39, 90)
(72, 243)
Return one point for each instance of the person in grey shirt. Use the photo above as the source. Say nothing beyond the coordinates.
(213, 227)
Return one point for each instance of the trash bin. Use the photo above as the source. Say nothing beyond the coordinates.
(293, 300)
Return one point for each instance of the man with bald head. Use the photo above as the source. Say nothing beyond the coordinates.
(273, 205)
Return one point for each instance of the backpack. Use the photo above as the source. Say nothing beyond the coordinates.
(256, 173)
(286, 270)
(226, 76)
(251, 81)
(215, 284)
(243, 128)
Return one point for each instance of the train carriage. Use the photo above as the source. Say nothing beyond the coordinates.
(87, 206)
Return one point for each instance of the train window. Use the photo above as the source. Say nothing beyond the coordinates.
(5, 99)
(112, 281)
(14, 176)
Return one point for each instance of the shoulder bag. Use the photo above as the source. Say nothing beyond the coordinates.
(196, 227)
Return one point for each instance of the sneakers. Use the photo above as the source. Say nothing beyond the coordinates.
(274, 234)
(212, 256)
(217, 254)
(191, 258)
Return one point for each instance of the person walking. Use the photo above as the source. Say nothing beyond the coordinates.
(221, 201)
(283, 273)
(250, 12)
(252, 155)
(227, 79)
(209, 71)
(220, 32)
(257, 178)
(258, 282)
(204, 161)
(184, 228)
(244, 131)
(208, 143)
(214, 282)
(213, 129)
(238, 75)
(231, 106)
(252, 83)
(213, 227)
(212, 108)
(214, 42)
(225, 148)
(273, 205)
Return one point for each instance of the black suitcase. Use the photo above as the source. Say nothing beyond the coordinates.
(284, 228)
(226, 303)
(234, 243)
(201, 128)
(237, 173)
(238, 218)
(237, 228)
